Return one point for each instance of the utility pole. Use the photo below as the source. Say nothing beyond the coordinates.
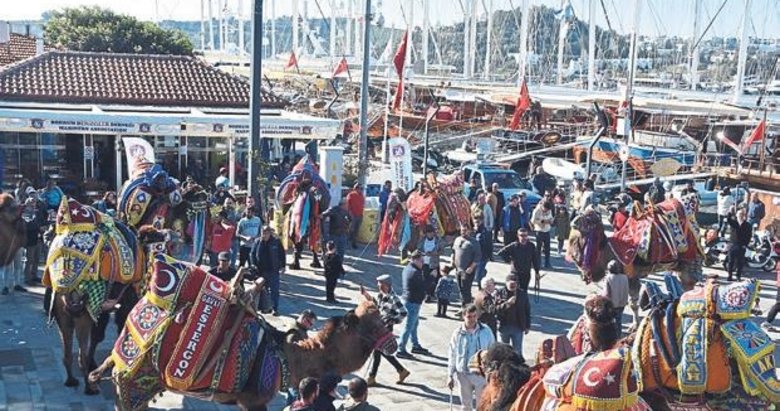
(273, 28)
(257, 149)
(240, 17)
(363, 144)
(295, 27)
(332, 33)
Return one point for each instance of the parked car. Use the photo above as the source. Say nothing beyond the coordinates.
(509, 181)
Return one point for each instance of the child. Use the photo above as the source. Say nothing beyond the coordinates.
(446, 290)
(562, 224)
(334, 269)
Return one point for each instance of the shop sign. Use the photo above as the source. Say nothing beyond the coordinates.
(89, 153)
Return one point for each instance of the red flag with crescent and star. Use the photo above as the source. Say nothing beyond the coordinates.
(292, 62)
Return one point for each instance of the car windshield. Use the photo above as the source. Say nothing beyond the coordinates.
(506, 180)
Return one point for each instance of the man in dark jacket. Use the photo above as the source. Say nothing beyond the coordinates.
(522, 254)
(327, 393)
(741, 233)
(485, 240)
(413, 295)
(511, 219)
(485, 300)
(498, 209)
(514, 314)
(756, 211)
(338, 222)
(269, 258)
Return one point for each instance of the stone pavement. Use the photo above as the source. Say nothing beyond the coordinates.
(32, 376)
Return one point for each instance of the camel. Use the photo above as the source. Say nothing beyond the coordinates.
(13, 235)
(82, 300)
(342, 346)
(591, 250)
(513, 386)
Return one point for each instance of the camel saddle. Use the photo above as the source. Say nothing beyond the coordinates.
(89, 251)
(659, 235)
(186, 336)
(139, 193)
(688, 344)
(531, 396)
(603, 380)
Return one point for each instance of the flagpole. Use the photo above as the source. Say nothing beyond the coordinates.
(385, 156)
(363, 143)
(257, 151)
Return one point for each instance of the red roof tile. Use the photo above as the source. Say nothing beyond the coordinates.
(127, 79)
(19, 47)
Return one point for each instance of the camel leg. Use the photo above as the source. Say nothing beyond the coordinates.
(97, 335)
(634, 289)
(65, 325)
(83, 332)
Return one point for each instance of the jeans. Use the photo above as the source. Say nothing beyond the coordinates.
(471, 387)
(441, 307)
(31, 267)
(543, 241)
(354, 228)
(481, 272)
(12, 274)
(341, 244)
(513, 335)
(464, 283)
(330, 287)
(723, 223)
(410, 326)
(272, 280)
(233, 252)
(736, 261)
(243, 255)
(619, 320)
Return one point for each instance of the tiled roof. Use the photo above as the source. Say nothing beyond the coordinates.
(126, 79)
(19, 47)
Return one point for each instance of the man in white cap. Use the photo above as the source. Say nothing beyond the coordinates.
(392, 312)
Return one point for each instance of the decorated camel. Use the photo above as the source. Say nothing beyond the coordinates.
(302, 197)
(697, 350)
(152, 197)
(439, 203)
(199, 336)
(95, 265)
(13, 235)
(661, 237)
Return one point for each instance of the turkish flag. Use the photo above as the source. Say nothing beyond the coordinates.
(341, 67)
(399, 61)
(756, 135)
(523, 103)
(292, 62)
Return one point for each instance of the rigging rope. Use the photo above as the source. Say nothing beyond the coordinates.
(712, 20)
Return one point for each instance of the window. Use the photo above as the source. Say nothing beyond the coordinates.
(506, 180)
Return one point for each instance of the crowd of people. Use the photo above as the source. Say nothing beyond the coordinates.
(520, 233)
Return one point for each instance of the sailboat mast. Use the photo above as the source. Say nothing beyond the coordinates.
(524, 22)
(592, 45)
(466, 42)
(211, 26)
(273, 27)
(332, 50)
(363, 143)
(240, 21)
(348, 30)
(488, 41)
(294, 22)
(202, 25)
(632, 53)
(562, 33)
(743, 49)
(426, 34)
(694, 52)
(473, 37)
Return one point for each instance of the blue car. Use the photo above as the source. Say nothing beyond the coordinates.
(509, 182)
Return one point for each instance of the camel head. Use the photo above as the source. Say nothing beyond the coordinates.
(600, 322)
(12, 231)
(506, 373)
(587, 247)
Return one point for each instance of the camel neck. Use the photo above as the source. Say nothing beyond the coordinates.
(307, 361)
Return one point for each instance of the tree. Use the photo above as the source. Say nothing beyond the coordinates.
(101, 30)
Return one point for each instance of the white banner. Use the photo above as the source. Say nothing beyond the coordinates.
(401, 163)
(138, 151)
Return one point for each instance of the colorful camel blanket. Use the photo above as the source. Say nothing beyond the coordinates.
(138, 194)
(660, 234)
(302, 174)
(452, 206)
(88, 250)
(185, 336)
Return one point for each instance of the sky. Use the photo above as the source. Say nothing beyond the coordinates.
(657, 17)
